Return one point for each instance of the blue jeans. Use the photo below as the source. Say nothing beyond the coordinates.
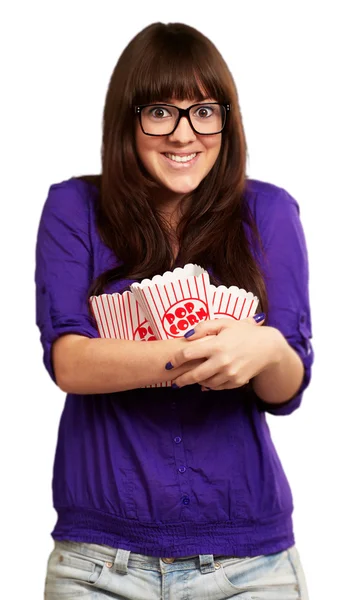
(91, 571)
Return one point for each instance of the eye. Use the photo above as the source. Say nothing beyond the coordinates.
(204, 112)
(158, 112)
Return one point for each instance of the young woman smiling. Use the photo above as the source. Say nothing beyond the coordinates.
(170, 493)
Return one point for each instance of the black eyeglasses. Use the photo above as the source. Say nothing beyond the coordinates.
(162, 119)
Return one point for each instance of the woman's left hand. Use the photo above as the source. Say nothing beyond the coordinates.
(235, 352)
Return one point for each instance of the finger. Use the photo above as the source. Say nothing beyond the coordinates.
(201, 373)
(258, 319)
(186, 367)
(214, 326)
(208, 327)
(201, 348)
(227, 385)
(214, 382)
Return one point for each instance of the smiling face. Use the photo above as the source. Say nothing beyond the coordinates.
(180, 161)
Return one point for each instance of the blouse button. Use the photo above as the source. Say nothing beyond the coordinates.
(302, 319)
(186, 500)
(182, 469)
(177, 440)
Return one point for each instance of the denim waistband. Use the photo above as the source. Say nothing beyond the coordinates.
(120, 559)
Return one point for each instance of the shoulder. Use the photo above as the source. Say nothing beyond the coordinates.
(272, 207)
(266, 198)
(68, 212)
(71, 195)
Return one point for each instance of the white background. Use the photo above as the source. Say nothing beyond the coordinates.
(290, 63)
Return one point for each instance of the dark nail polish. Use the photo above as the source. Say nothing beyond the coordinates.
(169, 366)
(189, 333)
(175, 386)
(260, 317)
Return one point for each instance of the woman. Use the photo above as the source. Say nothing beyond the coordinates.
(170, 493)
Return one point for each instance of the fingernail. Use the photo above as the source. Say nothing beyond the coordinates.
(175, 386)
(207, 388)
(259, 317)
(169, 366)
(189, 333)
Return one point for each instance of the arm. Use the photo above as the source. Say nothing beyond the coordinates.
(279, 388)
(276, 358)
(75, 356)
(102, 366)
(77, 359)
(282, 379)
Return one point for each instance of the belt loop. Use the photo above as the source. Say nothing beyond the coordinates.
(121, 561)
(206, 562)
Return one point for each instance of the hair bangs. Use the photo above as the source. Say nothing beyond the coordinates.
(176, 75)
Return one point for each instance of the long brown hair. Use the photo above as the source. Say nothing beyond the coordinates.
(167, 61)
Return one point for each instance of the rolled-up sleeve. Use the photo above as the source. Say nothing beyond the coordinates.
(287, 280)
(63, 268)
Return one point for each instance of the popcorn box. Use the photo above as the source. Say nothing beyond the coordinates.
(175, 301)
(120, 316)
(168, 305)
(232, 302)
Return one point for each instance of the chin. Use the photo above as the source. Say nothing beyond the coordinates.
(185, 188)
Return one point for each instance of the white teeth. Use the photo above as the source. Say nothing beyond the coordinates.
(177, 158)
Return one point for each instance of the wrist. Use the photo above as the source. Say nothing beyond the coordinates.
(275, 347)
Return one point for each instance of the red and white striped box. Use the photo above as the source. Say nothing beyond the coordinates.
(121, 317)
(175, 301)
(233, 302)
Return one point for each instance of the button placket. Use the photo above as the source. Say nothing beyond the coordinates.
(180, 464)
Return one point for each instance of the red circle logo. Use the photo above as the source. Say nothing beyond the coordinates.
(183, 315)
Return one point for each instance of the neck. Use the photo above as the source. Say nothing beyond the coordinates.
(167, 204)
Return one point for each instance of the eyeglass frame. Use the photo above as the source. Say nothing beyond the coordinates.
(182, 112)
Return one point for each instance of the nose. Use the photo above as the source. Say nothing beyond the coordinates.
(183, 132)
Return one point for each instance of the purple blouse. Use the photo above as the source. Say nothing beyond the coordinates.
(160, 471)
